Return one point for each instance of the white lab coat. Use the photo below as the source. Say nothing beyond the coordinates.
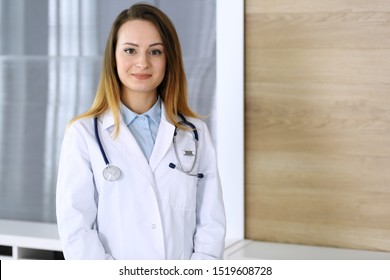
(152, 211)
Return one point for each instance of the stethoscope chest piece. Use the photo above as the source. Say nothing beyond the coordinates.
(111, 173)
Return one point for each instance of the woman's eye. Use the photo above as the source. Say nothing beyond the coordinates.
(156, 52)
(130, 51)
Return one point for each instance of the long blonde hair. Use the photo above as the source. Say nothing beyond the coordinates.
(173, 88)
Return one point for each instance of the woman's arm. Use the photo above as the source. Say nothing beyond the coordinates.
(209, 238)
(77, 200)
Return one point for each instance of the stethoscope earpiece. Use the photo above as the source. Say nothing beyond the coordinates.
(198, 175)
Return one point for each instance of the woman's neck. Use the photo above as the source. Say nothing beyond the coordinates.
(139, 102)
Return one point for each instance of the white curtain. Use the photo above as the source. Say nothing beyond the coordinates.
(50, 60)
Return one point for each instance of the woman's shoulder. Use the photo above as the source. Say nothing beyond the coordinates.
(81, 126)
(201, 127)
(199, 123)
(81, 122)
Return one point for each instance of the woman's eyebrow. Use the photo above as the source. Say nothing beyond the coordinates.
(156, 44)
(136, 45)
(131, 44)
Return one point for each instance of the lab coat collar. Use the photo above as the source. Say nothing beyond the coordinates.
(127, 142)
(163, 140)
(107, 120)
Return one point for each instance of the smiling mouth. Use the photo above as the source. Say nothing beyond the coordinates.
(141, 76)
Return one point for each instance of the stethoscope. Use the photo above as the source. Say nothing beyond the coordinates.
(113, 173)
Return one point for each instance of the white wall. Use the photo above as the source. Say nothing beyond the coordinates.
(230, 111)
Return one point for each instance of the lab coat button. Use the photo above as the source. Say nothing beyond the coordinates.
(153, 226)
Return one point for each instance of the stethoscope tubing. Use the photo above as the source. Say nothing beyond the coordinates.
(99, 142)
(190, 124)
(110, 168)
(110, 172)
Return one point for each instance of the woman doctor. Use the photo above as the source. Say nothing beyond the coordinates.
(138, 177)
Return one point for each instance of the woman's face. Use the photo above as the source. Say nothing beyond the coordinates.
(140, 57)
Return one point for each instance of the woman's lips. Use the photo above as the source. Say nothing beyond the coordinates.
(140, 76)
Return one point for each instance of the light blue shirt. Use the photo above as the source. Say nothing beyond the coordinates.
(144, 127)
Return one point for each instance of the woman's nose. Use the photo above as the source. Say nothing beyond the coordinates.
(142, 61)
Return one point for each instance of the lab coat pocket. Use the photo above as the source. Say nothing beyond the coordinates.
(183, 192)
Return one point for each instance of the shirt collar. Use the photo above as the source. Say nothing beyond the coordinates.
(154, 113)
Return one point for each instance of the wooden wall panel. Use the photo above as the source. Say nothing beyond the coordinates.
(315, 6)
(318, 122)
